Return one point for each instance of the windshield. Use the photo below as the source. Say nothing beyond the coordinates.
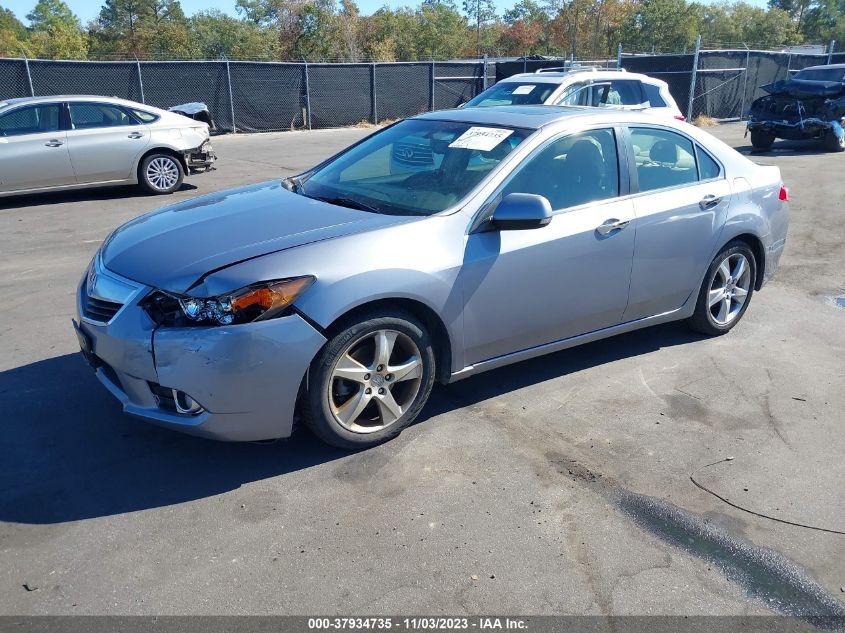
(820, 74)
(514, 93)
(416, 167)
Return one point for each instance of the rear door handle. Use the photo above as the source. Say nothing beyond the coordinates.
(709, 201)
(54, 142)
(613, 224)
(136, 135)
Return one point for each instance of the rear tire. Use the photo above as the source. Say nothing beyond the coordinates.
(832, 143)
(762, 140)
(370, 381)
(161, 173)
(725, 291)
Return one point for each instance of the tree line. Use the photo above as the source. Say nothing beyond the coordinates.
(335, 30)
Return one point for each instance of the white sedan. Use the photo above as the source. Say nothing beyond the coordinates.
(71, 142)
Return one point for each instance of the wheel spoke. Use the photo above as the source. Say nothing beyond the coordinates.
(724, 310)
(349, 411)
(716, 295)
(739, 269)
(390, 409)
(385, 340)
(725, 270)
(406, 371)
(740, 294)
(350, 369)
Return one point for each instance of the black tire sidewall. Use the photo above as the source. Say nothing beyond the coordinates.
(762, 140)
(317, 415)
(142, 176)
(702, 319)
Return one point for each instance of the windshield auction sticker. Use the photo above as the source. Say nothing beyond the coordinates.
(481, 138)
(523, 90)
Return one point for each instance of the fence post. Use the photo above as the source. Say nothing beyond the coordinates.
(745, 81)
(231, 98)
(484, 71)
(140, 79)
(307, 96)
(788, 63)
(373, 102)
(692, 79)
(830, 51)
(431, 87)
(28, 75)
(619, 55)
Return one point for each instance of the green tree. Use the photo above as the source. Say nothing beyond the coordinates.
(441, 31)
(215, 34)
(55, 32)
(13, 35)
(480, 13)
(663, 24)
(142, 28)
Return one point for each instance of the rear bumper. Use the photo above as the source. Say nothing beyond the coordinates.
(202, 157)
(246, 378)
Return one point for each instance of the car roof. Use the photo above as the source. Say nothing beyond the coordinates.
(533, 117)
(53, 98)
(558, 77)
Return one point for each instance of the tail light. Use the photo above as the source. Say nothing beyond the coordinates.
(680, 117)
(783, 194)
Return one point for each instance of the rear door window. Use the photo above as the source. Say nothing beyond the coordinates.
(30, 120)
(653, 96)
(708, 168)
(663, 158)
(95, 115)
(620, 92)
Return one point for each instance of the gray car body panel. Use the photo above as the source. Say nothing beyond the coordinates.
(501, 296)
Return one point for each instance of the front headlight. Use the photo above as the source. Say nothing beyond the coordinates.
(256, 302)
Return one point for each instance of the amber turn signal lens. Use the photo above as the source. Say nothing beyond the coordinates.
(270, 299)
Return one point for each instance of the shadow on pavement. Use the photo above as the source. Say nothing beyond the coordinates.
(84, 195)
(68, 453)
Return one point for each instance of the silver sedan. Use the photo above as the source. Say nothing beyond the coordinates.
(442, 246)
(74, 142)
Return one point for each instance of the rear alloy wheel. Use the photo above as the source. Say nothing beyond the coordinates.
(370, 381)
(161, 173)
(762, 140)
(832, 142)
(726, 290)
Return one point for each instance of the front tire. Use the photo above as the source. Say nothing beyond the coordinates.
(761, 140)
(832, 142)
(726, 290)
(370, 381)
(161, 173)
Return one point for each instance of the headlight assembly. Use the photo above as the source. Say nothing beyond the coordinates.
(256, 302)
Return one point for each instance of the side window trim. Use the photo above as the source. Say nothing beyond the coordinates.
(635, 179)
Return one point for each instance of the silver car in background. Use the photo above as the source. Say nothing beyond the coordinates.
(71, 142)
(345, 292)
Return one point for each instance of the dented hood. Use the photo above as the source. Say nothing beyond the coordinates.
(175, 246)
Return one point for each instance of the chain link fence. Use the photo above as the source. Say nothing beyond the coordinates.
(269, 96)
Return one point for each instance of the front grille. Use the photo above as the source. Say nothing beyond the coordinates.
(163, 396)
(98, 309)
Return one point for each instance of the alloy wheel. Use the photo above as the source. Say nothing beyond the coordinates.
(375, 381)
(162, 173)
(729, 289)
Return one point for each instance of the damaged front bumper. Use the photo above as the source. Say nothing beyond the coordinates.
(811, 127)
(200, 158)
(233, 383)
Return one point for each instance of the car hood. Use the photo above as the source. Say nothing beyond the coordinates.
(174, 247)
(804, 88)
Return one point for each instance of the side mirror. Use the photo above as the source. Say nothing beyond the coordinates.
(519, 211)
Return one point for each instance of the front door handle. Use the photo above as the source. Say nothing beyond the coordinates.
(54, 142)
(136, 135)
(709, 201)
(613, 224)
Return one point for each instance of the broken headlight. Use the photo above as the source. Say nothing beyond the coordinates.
(256, 302)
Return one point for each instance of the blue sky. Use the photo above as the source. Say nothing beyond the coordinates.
(88, 9)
